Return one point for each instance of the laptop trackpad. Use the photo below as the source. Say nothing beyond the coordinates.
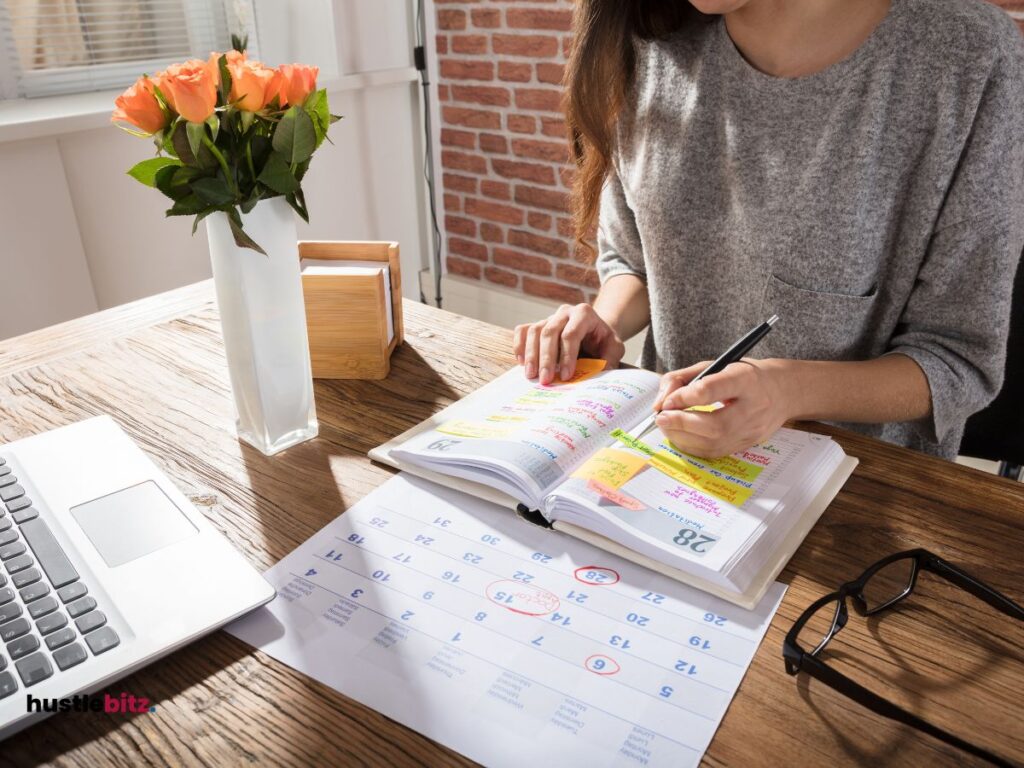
(128, 524)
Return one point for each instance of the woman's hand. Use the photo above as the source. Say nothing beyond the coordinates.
(755, 404)
(549, 348)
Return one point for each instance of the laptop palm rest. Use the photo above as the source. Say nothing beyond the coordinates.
(131, 523)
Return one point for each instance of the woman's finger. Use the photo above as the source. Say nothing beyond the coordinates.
(673, 380)
(519, 342)
(580, 323)
(532, 350)
(550, 344)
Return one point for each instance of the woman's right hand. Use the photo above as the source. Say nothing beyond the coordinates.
(548, 348)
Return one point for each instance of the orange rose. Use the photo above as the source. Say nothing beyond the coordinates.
(252, 85)
(139, 106)
(233, 57)
(191, 89)
(297, 81)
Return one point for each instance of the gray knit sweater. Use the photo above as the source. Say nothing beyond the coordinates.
(876, 206)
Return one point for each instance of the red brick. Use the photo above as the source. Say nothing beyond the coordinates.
(548, 290)
(521, 123)
(460, 161)
(499, 190)
(539, 98)
(550, 151)
(567, 176)
(442, 44)
(514, 72)
(451, 19)
(581, 276)
(491, 233)
(501, 276)
(442, 93)
(452, 138)
(459, 183)
(486, 18)
(535, 18)
(482, 94)
(498, 212)
(493, 143)
(524, 262)
(460, 225)
(567, 47)
(534, 46)
(539, 221)
(473, 44)
(511, 169)
(532, 242)
(566, 228)
(552, 126)
(549, 199)
(462, 267)
(471, 118)
(546, 72)
(457, 69)
(469, 248)
(452, 203)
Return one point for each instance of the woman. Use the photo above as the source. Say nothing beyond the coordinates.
(856, 168)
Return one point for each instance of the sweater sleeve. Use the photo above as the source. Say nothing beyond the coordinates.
(619, 250)
(956, 321)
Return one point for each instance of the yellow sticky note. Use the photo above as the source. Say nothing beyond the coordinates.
(463, 428)
(730, 465)
(687, 474)
(611, 467)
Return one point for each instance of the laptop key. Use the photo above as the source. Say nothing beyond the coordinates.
(3, 663)
(61, 638)
(42, 607)
(6, 595)
(8, 685)
(72, 592)
(4, 469)
(12, 630)
(49, 553)
(11, 492)
(102, 640)
(19, 563)
(7, 480)
(79, 607)
(5, 522)
(91, 622)
(70, 655)
(8, 537)
(9, 612)
(51, 623)
(28, 594)
(3, 580)
(17, 504)
(34, 669)
(24, 578)
(23, 646)
(12, 550)
(24, 515)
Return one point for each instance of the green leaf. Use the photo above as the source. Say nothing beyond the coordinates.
(146, 171)
(214, 122)
(277, 174)
(300, 170)
(200, 217)
(336, 118)
(249, 203)
(213, 189)
(195, 132)
(316, 108)
(298, 204)
(184, 151)
(239, 43)
(242, 240)
(295, 136)
(225, 82)
(187, 206)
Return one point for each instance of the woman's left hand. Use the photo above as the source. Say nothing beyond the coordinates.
(755, 404)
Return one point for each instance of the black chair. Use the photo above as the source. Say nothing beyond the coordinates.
(997, 432)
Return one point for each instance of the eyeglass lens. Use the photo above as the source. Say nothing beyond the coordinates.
(816, 633)
(888, 584)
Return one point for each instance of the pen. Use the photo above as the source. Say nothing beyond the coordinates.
(734, 353)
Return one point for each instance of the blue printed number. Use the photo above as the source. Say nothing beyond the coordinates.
(697, 642)
(381, 576)
(540, 557)
(333, 555)
(356, 593)
(714, 618)
(598, 664)
(440, 522)
(503, 597)
(451, 576)
(426, 541)
(378, 522)
(480, 616)
(469, 557)
(490, 538)
(654, 597)
(636, 618)
(401, 557)
(666, 691)
(406, 615)
(523, 576)
(428, 595)
(619, 642)
(355, 538)
(682, 666)
(576, 597)
(559, 618)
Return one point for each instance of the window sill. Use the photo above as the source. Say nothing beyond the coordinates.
(22, 119)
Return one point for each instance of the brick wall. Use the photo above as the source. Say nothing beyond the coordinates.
(506, 175)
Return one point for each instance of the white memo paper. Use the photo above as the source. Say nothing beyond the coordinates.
(509, 643)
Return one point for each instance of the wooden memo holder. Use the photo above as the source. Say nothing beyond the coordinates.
(346, 315)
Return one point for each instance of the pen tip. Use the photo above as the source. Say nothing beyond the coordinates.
(773, 320)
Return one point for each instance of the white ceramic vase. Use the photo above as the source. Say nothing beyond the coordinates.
(263, 316)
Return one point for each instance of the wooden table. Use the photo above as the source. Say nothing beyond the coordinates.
(158, 367)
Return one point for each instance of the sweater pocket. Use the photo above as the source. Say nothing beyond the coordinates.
(815, 325)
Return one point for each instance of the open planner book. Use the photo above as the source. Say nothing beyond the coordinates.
(565, 456)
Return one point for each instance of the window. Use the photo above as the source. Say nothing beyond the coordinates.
(51, 47)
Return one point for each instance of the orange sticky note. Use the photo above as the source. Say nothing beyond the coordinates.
(617, 498)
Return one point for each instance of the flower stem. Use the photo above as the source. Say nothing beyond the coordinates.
(248, 157)
(228, 176)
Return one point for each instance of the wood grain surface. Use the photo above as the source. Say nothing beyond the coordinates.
(158, 368)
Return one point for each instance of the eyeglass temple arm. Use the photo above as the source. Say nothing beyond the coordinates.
(993, 597)
(886, 708)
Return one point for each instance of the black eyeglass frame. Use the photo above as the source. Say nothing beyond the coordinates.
(799, 660)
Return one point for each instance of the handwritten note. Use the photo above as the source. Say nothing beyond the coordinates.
(611, 467)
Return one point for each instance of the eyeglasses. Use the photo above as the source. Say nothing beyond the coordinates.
(880, 587)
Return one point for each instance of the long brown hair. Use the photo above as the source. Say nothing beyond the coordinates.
(598, 77)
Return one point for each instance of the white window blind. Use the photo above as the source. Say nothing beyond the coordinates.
(52, 47)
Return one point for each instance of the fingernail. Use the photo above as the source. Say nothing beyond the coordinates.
(519, 359)
(531, 371)
(545, 375)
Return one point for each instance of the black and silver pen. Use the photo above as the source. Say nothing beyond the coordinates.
(733, 354)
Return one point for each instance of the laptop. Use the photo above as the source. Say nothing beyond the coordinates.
(104, 567)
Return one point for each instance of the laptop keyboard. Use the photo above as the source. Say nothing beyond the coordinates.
(48, 621)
